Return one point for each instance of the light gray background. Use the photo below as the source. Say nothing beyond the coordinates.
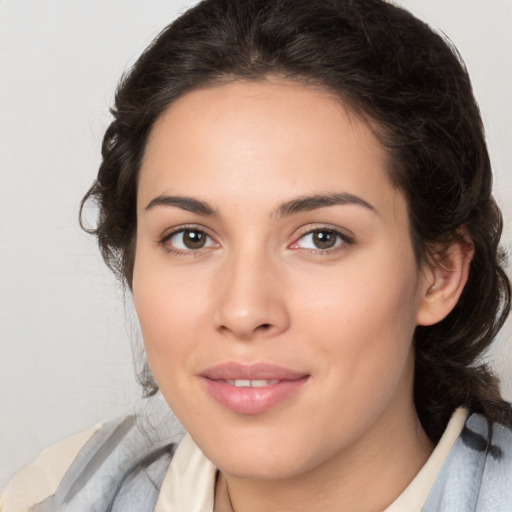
(65, 355)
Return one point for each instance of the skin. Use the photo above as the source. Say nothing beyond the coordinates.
(261, 290)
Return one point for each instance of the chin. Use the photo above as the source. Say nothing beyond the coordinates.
(268, 468)
(260, 457)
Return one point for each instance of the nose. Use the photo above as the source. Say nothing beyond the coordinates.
(251, 298)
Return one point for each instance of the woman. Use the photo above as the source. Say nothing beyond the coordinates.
(298, 195)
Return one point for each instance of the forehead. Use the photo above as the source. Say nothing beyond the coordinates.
(261, 140)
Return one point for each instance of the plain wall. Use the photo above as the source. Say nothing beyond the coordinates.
(65, 348)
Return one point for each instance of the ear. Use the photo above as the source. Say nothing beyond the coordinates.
(443, 280)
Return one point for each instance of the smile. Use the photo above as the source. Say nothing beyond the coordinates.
(252, 389)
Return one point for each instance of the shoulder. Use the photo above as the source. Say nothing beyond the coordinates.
(40, 479)
(478, 471)
(119, 459)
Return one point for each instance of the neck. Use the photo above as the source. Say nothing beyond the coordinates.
(368, 476)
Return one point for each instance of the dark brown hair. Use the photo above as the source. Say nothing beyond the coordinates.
(390, 68)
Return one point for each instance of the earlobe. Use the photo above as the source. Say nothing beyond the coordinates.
(443, 281)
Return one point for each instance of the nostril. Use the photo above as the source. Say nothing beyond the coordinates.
(264, 327)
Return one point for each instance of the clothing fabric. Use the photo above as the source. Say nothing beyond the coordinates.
(42, 477)
(126, 466)
(190, 481)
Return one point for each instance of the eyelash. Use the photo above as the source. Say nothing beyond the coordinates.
(342, 240)
(164, 241)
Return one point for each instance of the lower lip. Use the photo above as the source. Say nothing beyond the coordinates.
(247, 400)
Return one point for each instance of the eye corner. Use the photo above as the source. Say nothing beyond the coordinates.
(322, 240)
(189, 240)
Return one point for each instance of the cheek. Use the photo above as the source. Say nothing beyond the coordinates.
(362, 321)
(169, 313)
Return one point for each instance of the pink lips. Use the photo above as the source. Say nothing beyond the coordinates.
(251, 389)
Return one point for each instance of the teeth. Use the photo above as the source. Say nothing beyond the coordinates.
(261, 383)
(243, 383)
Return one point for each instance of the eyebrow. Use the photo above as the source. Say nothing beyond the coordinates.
(307, 203)
(300, 204)
(185, 203)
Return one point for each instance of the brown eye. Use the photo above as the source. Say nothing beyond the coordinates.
(322, 239)
(188, 240)
(194, 239)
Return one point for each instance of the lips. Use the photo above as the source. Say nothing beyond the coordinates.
(254, 388)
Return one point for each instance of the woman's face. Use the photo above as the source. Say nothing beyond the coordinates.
(274, 280)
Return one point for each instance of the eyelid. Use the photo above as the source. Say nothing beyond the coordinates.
(169, 233)
(346, 237)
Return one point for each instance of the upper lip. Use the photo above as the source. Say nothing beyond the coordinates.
(253, 371)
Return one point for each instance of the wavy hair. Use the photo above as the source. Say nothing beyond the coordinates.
(393, 70)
